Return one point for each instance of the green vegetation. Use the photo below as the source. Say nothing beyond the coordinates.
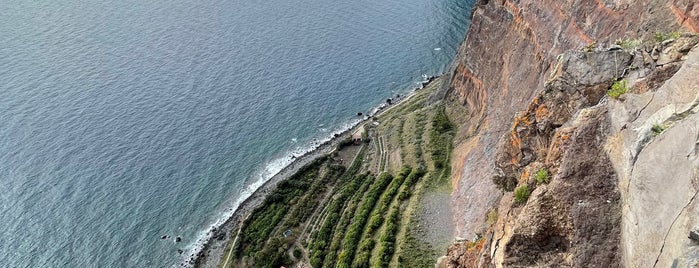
(386, 198)
(522, 194)
(351, 184)
(412, 250)
(675, 35)
(309, 202)
(257, 240)
(349, 217)
(376, 219)
(492, 216)
(440, 147)
(351, 241)
(660, 37)
(388, 239)
(618, 89)
(410, 181)
(542, 176)
(628, 44)
(331, 257)
(401, 125)
(417, 141)
(324, 235)
(657, 129)
(344, 143)
(440, 138)
(416, 252)
(297, 253)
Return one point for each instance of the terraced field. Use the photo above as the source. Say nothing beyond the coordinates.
(360, 213)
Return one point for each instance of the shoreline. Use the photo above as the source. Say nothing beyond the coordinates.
(209, 251)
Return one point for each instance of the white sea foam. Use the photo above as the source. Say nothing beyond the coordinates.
(270, 169)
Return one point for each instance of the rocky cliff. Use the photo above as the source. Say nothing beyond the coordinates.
(553, 163)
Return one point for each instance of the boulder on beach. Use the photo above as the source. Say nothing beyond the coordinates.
(221, 236)
(178, 239)
(164, 237)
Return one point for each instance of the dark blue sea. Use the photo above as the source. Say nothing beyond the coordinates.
(121, 121)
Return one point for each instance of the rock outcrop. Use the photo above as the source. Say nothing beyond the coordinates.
(619, 193)
(621, 175)
(510, 50)
(574, 219)
(653, 146)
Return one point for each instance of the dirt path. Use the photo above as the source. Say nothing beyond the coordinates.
(297, 243)
(230, 251)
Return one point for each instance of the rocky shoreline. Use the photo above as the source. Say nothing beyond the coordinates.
(211, 252)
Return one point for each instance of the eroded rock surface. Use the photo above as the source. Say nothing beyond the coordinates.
(624, 174)
(511, 48)
(574, 220)
(659, 168)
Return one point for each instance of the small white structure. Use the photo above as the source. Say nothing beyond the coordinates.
(357, 135)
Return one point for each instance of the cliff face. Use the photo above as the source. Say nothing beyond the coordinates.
(653, 145)
(527, 107)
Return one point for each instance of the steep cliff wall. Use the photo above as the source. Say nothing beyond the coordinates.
(522, 108)
(653, 146)
(509, 50)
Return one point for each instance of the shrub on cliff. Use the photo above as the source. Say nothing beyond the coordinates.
(542, 176)
(618, 89)
(657, 129)
(628, 44)
(522, 194)
(660, 37)
(491, 217)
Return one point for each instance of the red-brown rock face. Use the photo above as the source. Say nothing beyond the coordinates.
(509, 52)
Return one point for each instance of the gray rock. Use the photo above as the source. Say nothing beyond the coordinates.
(658, 171)
(674, 51)
(694, 234)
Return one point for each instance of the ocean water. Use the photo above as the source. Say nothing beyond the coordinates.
(122, 121)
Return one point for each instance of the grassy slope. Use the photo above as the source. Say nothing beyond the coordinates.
(353, 217)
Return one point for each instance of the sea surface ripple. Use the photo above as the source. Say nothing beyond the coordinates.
(122, 121)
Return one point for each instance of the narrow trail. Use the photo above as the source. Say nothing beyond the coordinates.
(318, 209)
(230, 251)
